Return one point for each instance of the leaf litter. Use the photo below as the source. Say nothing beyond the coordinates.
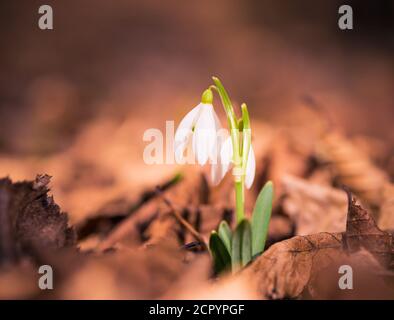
(134, 246)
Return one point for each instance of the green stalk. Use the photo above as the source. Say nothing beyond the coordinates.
(239, 200)
(238, 171)
(247, 137)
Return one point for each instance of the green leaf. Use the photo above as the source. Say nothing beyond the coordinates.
(220, 255)
(241, 245)
(247, 136)
(261, 218)
(231, 117)
(225, 234)
(247, 244)
(226, 103)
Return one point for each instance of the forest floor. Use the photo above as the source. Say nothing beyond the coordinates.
(140, 232)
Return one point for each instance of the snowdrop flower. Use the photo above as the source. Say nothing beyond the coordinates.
(226, 156)
(198, 127)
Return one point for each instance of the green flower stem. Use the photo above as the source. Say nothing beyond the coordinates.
(247, 137)
(239, 167)
(239, 200)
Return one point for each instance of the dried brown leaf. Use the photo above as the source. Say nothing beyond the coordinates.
(386, 215)
(281, 159)
(30, 220)
(353, 168)
(314, 208)
(289, 268)
(284, 270)
(363, 232)
(182, 196)
(145, 273)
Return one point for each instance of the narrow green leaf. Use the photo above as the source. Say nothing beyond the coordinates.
(236, 252)
(226, 103)
(231, 117)
(246, 244)
(247, 136)
(261, 218)
(225, 234)
(241, 245)
(220, 255)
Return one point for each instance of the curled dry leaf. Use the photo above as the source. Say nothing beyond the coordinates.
(30, 220)
(362, 232)
(286, 269)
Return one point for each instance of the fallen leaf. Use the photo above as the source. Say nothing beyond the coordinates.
(363, 232)
(314, 208)
(386, 214)
(353, 168)
(287, 268)
(284, 270)
(30, 220)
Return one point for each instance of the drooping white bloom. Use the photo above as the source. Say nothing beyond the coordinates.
(226, 157)
(250, 168)
(218, 170)
(200, 127)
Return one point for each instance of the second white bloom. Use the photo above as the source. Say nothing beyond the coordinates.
(226, 157)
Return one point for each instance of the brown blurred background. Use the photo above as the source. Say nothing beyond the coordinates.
(151, 57)
(75, 101)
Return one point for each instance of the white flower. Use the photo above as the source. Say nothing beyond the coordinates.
(200, 127)
(226, 155)
(218, 170)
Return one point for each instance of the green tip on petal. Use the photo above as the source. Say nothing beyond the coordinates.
(207, 97)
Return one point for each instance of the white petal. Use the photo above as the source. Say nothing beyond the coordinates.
(184, 132)
(204, 137)
(180, 148)
(217, 121)
(226, 155)
(187, 123)
(250, 168)
(221, 135)
(217, 173)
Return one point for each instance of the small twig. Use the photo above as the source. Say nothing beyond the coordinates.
(181, 220)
